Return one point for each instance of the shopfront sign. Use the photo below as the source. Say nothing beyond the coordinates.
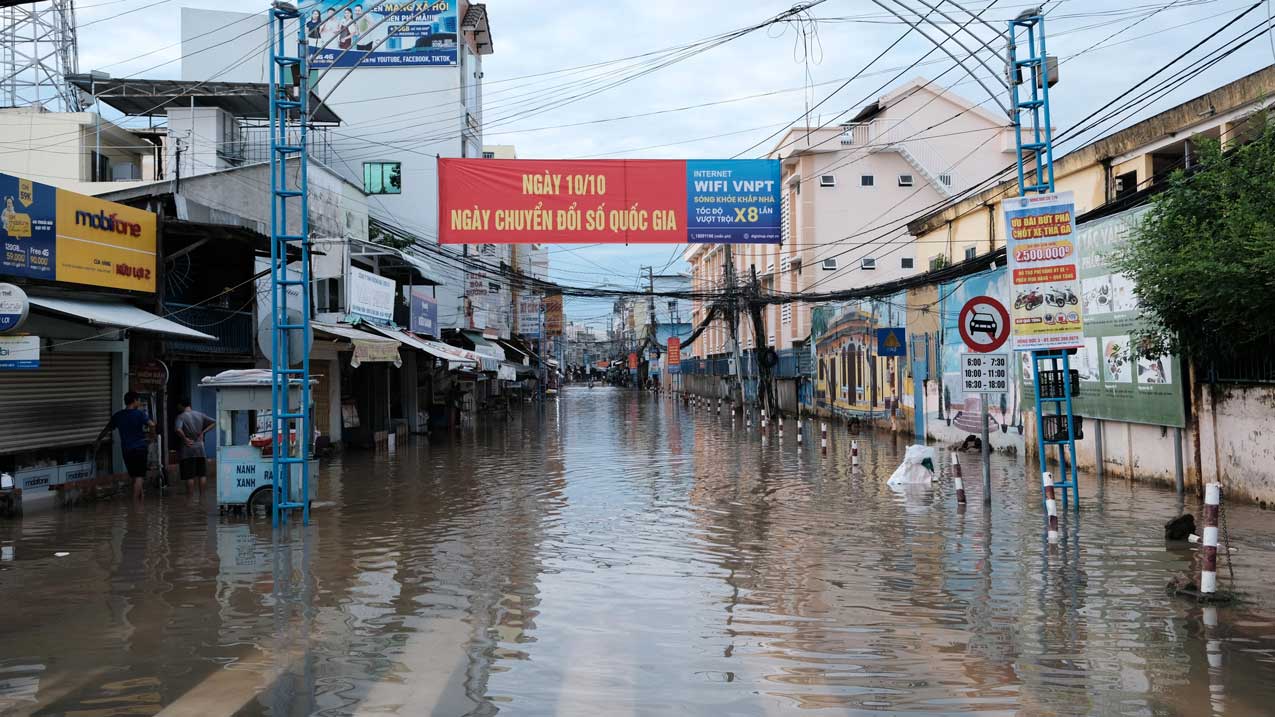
(14, 307)
(620, 201)
(529, 314)
(340, 33)
(56, 235)
(424, 312)
(19, 352)
(371, 296)
(1044, 272)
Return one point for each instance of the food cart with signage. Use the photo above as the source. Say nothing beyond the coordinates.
(244, 458)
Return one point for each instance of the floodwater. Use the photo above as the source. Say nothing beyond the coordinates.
(622, 554)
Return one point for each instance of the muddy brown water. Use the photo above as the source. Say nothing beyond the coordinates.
(621, 554)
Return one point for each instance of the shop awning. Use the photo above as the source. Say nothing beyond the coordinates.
(456, 358)
(123, 316)
(368, 347)
(515, 354)
(484, 346)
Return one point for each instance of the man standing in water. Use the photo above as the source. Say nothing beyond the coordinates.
(132, 423)
(191, 427)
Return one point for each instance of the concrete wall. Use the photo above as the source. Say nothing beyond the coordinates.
(1237, 440)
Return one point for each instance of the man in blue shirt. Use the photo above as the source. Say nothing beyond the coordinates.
(132, 423)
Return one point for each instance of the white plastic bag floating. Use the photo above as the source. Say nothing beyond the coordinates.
(913, 470)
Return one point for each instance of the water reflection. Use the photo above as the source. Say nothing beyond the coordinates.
(618, 553)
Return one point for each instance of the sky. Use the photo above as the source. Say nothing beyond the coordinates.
(724, 101)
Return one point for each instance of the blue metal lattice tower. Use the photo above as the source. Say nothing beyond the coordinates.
(1036, 174)
(288, 75)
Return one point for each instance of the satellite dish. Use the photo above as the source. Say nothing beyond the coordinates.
(297, 339)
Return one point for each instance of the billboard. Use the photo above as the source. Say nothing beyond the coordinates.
(610, 201)
(553, 315)
(529, 314)
(1043, 261)
(371, 296)
(341, 33)
(56, 235)
(1114, 385)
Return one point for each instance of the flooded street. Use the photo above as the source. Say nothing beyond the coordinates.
(622, 554)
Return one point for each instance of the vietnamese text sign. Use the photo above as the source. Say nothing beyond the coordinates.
(19, 352)
(341, 33)
(1044, 279)
(1114, 385)
(371, 296)
(529, 314)
(644, 201)
(985, 372)
(674, 354)
(553, 315)
(424, 312)
(56, 235)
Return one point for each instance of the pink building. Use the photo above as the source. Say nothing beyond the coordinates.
(849, 191)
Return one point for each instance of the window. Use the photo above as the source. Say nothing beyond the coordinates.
(866, 181)
(867, 263)
(827, 180)
(905, 180)
(945, 180)
(970, 252)
(785, 314)
(382, 177)
(830, 264)
(906, 262)
(489, 155)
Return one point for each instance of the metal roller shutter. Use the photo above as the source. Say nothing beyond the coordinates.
(65, 402)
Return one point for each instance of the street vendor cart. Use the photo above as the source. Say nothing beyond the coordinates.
(244, 450)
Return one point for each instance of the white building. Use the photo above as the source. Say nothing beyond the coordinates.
(397, 118)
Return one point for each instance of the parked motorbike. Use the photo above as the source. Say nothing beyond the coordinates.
(1061, 297)
(1028, 300)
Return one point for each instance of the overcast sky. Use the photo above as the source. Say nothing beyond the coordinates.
(528, 98)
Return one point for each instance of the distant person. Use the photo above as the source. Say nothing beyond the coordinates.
(133, 424)
(191, 427)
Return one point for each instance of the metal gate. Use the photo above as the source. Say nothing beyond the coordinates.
(65, 402)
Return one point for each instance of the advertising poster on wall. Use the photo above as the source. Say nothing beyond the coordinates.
(1043, 263)
(371, 34)
(1112, 385)
(371, 296)
(609, 201)
(954, 414)
(56, 235)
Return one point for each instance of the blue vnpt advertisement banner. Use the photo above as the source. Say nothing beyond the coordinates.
(733, 201)
(28, 219)
(381, 34)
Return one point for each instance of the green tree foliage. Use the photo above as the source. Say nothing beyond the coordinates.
(1203, 257)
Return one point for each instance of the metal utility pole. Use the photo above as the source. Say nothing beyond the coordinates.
(288, 327)
(1036, 174)
(734, 324)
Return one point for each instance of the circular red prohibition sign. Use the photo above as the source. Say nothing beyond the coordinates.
(984, 324)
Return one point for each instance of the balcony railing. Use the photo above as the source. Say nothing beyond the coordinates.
(233, 329)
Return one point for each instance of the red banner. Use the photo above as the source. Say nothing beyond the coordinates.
(674, 351)
(537, 201)
(633, 361)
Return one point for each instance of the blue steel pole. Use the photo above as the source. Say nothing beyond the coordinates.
(275, 404)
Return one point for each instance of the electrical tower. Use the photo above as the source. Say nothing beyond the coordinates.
(37, 52)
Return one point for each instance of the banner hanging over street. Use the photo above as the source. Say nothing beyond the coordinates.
(620, 201)
(1044, 279)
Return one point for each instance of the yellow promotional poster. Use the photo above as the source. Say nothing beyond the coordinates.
(1043, 269)
(104, 244)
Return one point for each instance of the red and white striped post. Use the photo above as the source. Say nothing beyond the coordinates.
(958, 479)
(854, 454)
(823, 438)
(1208, 566)
(719, 406)
(748, 418)
(780, 421)
(1051, 505)
(800, 430)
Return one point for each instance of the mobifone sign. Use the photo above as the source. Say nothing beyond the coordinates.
(56, 235)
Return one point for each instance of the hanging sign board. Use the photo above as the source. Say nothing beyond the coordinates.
(19, 352)
(371, 296)
(1044, 274)
(609, 201)
(674, 356)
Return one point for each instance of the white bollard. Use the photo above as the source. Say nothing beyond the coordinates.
(854, 454)
(1051, 505)
(1208, 565)
(823, 438)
